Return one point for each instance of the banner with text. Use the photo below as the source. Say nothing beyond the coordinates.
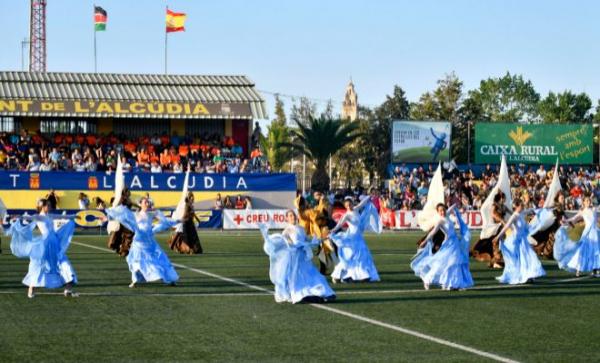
(533, 144)
(122, 108)
(420, 141)
(92, 218)
(407, 219)
(251, 218)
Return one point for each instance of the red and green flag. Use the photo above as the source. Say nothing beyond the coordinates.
(100, 17)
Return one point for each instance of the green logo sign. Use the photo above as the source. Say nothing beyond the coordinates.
(533, 144)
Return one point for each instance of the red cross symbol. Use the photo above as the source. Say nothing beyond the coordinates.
(238, 218)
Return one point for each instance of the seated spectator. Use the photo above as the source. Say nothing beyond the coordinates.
(83, 201)
(155, 168)
(218, 202)
(239, 202)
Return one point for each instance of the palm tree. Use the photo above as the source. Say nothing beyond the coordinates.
(321, 138)
(275, 145)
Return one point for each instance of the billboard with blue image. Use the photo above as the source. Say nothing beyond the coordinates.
(420, 141)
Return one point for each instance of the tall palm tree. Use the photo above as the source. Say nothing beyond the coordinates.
(321, 138)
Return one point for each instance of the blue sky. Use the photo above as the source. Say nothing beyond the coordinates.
(312, 47)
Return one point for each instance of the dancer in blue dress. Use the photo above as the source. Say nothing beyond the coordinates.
(355, 261)
(292, 272)
(147, 261)
(449, 267)
(49, 266)
(583, 256)
(521, 263)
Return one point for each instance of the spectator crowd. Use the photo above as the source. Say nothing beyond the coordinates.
(408, 189)
(154, 154)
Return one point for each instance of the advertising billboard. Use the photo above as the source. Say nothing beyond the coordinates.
(534, 144)
(420, 141)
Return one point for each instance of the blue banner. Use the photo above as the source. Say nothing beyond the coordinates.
(147, 181)
(92, 218)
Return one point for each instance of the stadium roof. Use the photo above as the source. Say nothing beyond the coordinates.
(132, 88)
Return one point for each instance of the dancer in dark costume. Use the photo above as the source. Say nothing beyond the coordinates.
(494, 212)
(120, 237)
(544, 239)
(185, 238)
(547, 220)
(485, 249)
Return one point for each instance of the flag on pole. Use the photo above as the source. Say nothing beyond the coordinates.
(100, 17)
(175, 21)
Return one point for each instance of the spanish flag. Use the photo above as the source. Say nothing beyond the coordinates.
(175, 21)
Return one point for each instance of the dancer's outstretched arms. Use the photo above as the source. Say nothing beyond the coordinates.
(340, 224)
(363, 203)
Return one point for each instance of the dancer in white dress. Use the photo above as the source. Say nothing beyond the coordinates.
(355, 261)
(582, 256)
(521, 263)
(449, 267)
(146, 260)
(295, 277)
(49, 266)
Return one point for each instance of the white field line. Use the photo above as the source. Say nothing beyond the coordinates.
(234, 294)
(400, 329)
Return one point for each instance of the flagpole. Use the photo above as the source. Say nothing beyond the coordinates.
(95, 55)
(166, 44)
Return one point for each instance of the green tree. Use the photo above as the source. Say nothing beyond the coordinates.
(274, 144)
(303, 110)
(444, 104)
(506, 99)
(321, 138)
(565, 107)
(280, 117)
(377, 152)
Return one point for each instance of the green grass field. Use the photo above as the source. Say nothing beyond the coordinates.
(210, 318)
(419, 155)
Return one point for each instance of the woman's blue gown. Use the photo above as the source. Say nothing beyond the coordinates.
(147, 261)
(49, 265)
(291, 269)
(581, 256)
(449, 267)
(521, 263)
(355, 261)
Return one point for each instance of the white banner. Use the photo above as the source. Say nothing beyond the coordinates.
(251, 218)
(407, 219)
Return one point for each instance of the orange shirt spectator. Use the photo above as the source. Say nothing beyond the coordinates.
(184, 150)
(175, 158)
(195, 147)
(255, 153)
(229, 141)
(154, 157)
(165, 159)
(129, 147)
(143, 157)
